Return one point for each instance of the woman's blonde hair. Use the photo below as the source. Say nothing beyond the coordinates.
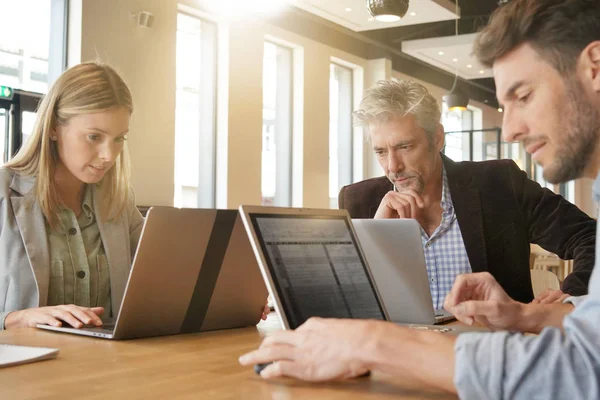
(83, 89)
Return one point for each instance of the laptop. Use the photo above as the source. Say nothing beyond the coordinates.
(395, 255)
(194, 271)
(313, 265)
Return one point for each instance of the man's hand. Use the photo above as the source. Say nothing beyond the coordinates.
(319, 350)
(550, 296)
(71, 314)
(479, 298)
(266, 311)
(405, 204)
(328, 349)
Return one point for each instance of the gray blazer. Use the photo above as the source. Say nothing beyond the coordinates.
(24, 252)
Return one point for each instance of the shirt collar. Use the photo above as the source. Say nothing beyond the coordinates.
(446, 202)
(88, 203)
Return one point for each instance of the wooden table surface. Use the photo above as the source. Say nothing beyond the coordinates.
(194, 366)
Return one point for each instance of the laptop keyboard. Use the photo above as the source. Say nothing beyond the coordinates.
(439, 329)
(104, 327)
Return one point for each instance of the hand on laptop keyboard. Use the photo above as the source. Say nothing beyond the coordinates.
(61, 315)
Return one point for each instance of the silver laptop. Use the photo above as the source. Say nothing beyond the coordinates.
(314, 266)
(395, 255)
(194, 270)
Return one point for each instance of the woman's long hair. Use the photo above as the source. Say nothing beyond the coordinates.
(83, 89)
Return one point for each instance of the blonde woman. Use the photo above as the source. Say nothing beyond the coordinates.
(68, 223)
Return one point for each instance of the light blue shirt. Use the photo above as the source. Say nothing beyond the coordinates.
(445, 253)
(552, 365)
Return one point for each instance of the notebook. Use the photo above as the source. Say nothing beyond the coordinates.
(16, 355)
(314, 266)
(206, 279)
(395, 256)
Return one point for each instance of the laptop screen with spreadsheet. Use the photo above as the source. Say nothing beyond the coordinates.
(317, 267)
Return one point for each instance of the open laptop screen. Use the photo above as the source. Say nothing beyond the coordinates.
(316, 267)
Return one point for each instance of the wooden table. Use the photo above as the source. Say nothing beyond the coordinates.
(194, 366)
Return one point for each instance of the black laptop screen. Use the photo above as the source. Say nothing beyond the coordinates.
(316, 267)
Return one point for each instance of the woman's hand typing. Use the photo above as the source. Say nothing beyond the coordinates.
(71, 314)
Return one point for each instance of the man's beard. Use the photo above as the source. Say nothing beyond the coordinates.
(581, 124)
(414, 182)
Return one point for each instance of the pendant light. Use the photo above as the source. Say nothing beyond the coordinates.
(456, 100)
(387, 10)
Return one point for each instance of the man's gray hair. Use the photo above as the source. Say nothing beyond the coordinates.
(389, 99)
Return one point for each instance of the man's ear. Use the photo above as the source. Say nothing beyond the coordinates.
(590, 65)
(440, 137)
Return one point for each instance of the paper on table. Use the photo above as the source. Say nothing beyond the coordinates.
(15, 355)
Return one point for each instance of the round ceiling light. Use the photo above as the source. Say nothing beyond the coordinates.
(456, 100)
(387, 10)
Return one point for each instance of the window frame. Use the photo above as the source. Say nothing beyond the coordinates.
(206, 190)
(283, 122)
(346, 150)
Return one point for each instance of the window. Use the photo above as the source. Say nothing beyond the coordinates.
(539, 177)
(32, 55)
(276, 184)
(457, 125)
(26, 58)
(27, 123)
(340, 130)
(567, 190)
(515, 152)
(466, 140)
(195, 112)
(3, 132)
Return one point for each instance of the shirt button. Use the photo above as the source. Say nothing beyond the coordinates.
(428, 244)
(81, 274)
(72, 231)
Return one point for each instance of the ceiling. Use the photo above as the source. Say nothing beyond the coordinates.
(450, 53)
(353, 14)
(428, 36)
